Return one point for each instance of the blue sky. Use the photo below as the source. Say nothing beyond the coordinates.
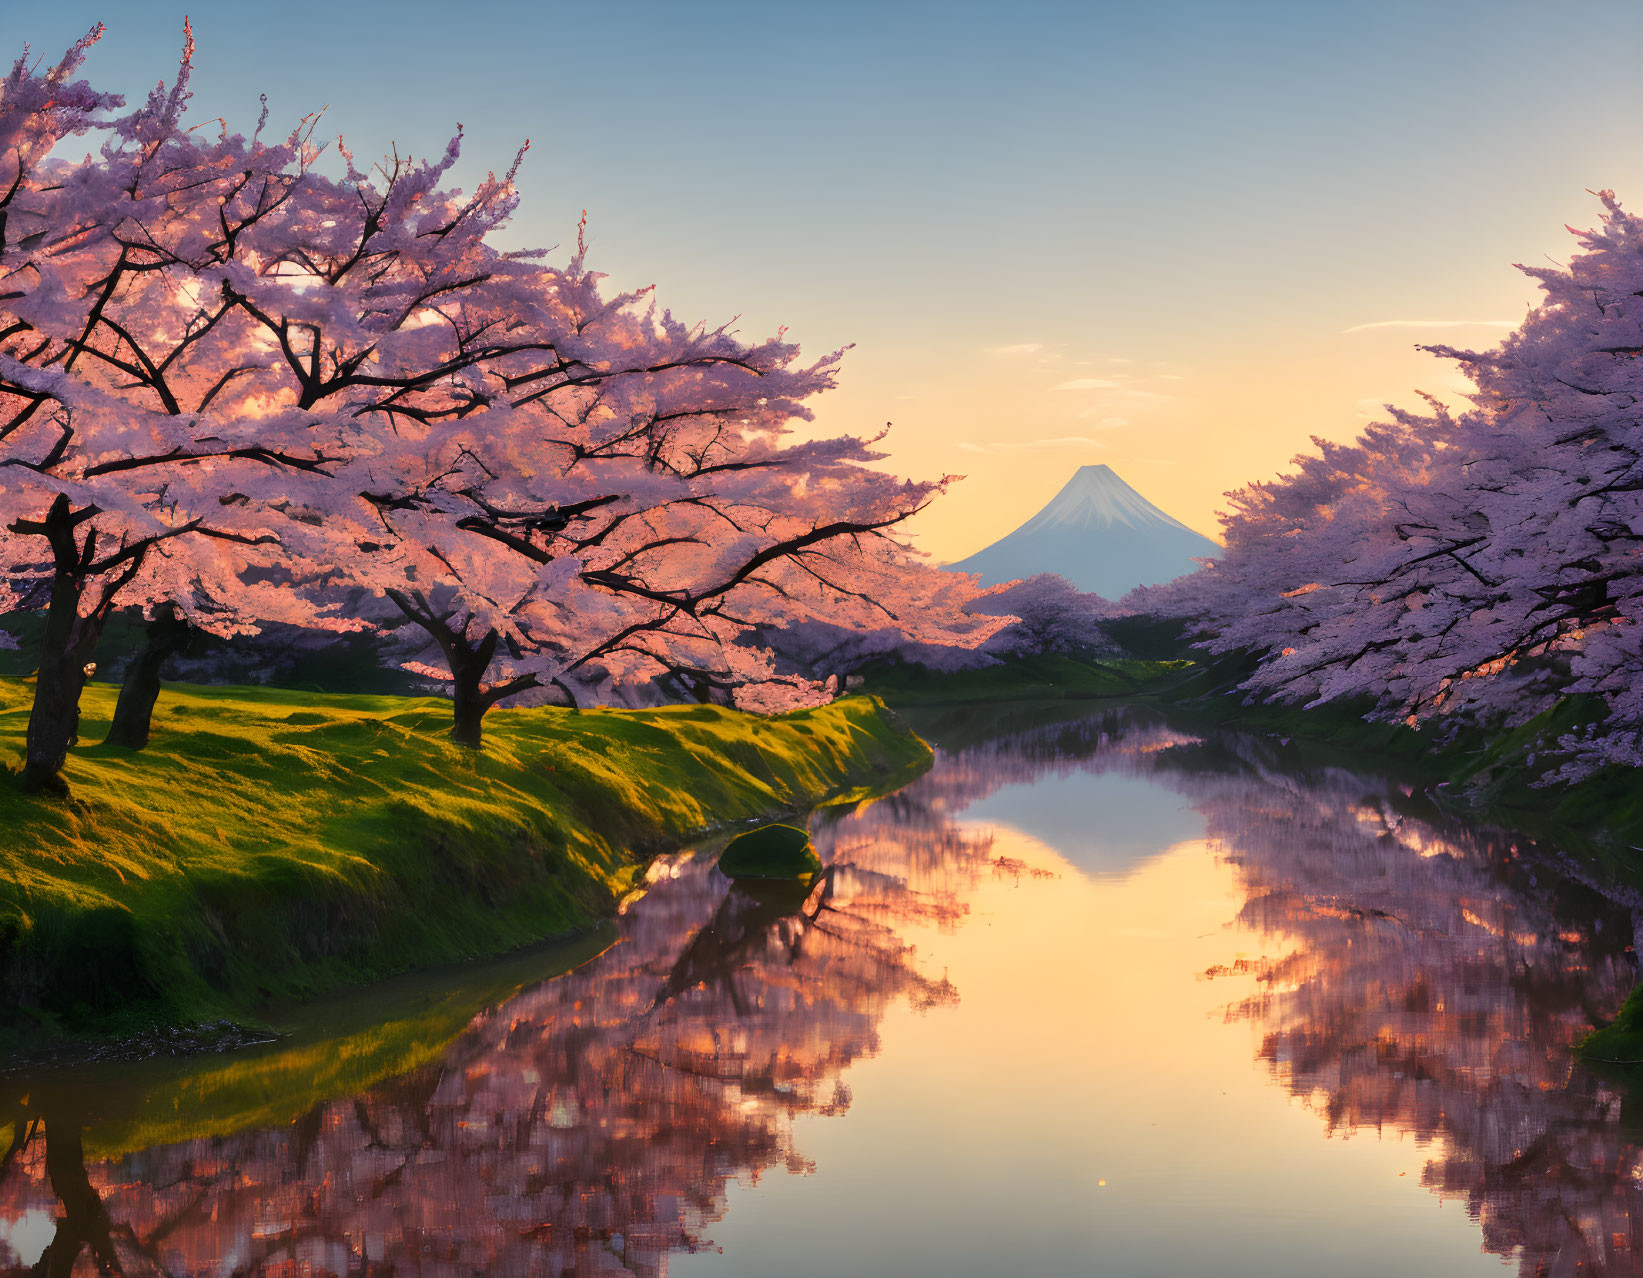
(1134, 234)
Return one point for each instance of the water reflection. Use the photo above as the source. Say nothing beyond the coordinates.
(1433, 980)
(1415, 976)
(587, 1126)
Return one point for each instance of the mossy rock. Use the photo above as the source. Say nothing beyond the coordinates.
(771, 852)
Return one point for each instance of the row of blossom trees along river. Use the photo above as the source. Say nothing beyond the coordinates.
(245, 382)
(1473, 566)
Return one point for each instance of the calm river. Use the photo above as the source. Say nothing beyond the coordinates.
(1091, 997)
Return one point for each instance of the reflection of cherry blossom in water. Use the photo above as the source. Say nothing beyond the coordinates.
(1419, 977)
(1433, 981)
(589, 1125)
(1429, 979)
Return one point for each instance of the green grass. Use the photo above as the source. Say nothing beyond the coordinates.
(338, 1046)
(274, 845)
(1492, 775)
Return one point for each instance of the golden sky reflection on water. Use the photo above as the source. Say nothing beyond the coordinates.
(1086, 1048)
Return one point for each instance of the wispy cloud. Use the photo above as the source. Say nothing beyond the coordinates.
(1030, 445)
(1064, 441)
(1016, 348)
(1086, 383)
(1431, 323)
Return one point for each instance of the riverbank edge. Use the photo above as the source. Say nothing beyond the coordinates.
(1488, 776)
(273, 847)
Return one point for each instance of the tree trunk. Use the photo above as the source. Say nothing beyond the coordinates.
(571, 702)
(54, 726)
(167, 635)
(71, 633)
(84, 1219)
(468, 660)
(471, 703)
(65, 650)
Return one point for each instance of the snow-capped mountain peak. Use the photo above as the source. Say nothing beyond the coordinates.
(1095, 497)
(1098, 533)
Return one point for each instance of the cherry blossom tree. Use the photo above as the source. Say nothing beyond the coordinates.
(620, 500)
(935, 624)
(1319, 574)
(964, 627)
(232, 386)
(1478, 565)
(198, 334)
(629, 507)
(1050, 615)
(85, 496)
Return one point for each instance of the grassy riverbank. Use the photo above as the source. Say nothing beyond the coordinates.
(1023, 679)
(340, 1045)
(272, 846)
(1493, 774)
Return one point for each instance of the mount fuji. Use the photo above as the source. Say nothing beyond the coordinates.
(1098, 533)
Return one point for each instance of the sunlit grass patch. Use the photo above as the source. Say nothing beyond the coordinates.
(272, 844)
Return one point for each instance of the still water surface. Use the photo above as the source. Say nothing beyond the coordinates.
(1091, 997)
